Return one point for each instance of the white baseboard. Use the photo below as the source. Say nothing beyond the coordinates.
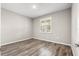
(15, 41)
(38, 39)
(54, 42)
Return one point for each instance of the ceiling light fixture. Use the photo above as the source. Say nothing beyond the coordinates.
(34, 6)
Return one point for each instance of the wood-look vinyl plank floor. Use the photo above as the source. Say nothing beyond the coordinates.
(34, 47)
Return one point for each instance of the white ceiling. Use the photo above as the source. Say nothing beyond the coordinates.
(27, 9)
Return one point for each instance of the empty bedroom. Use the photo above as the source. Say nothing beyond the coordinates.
(39, 29)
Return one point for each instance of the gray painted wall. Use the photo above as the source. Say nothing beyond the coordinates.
(75, 28)
(14, 27)
(61, 27)
(0, 24)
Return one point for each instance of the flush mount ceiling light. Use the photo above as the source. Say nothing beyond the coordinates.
(34, 6)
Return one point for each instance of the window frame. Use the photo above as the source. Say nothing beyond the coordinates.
(45, 19)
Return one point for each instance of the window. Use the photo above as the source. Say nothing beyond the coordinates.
(46, 25)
